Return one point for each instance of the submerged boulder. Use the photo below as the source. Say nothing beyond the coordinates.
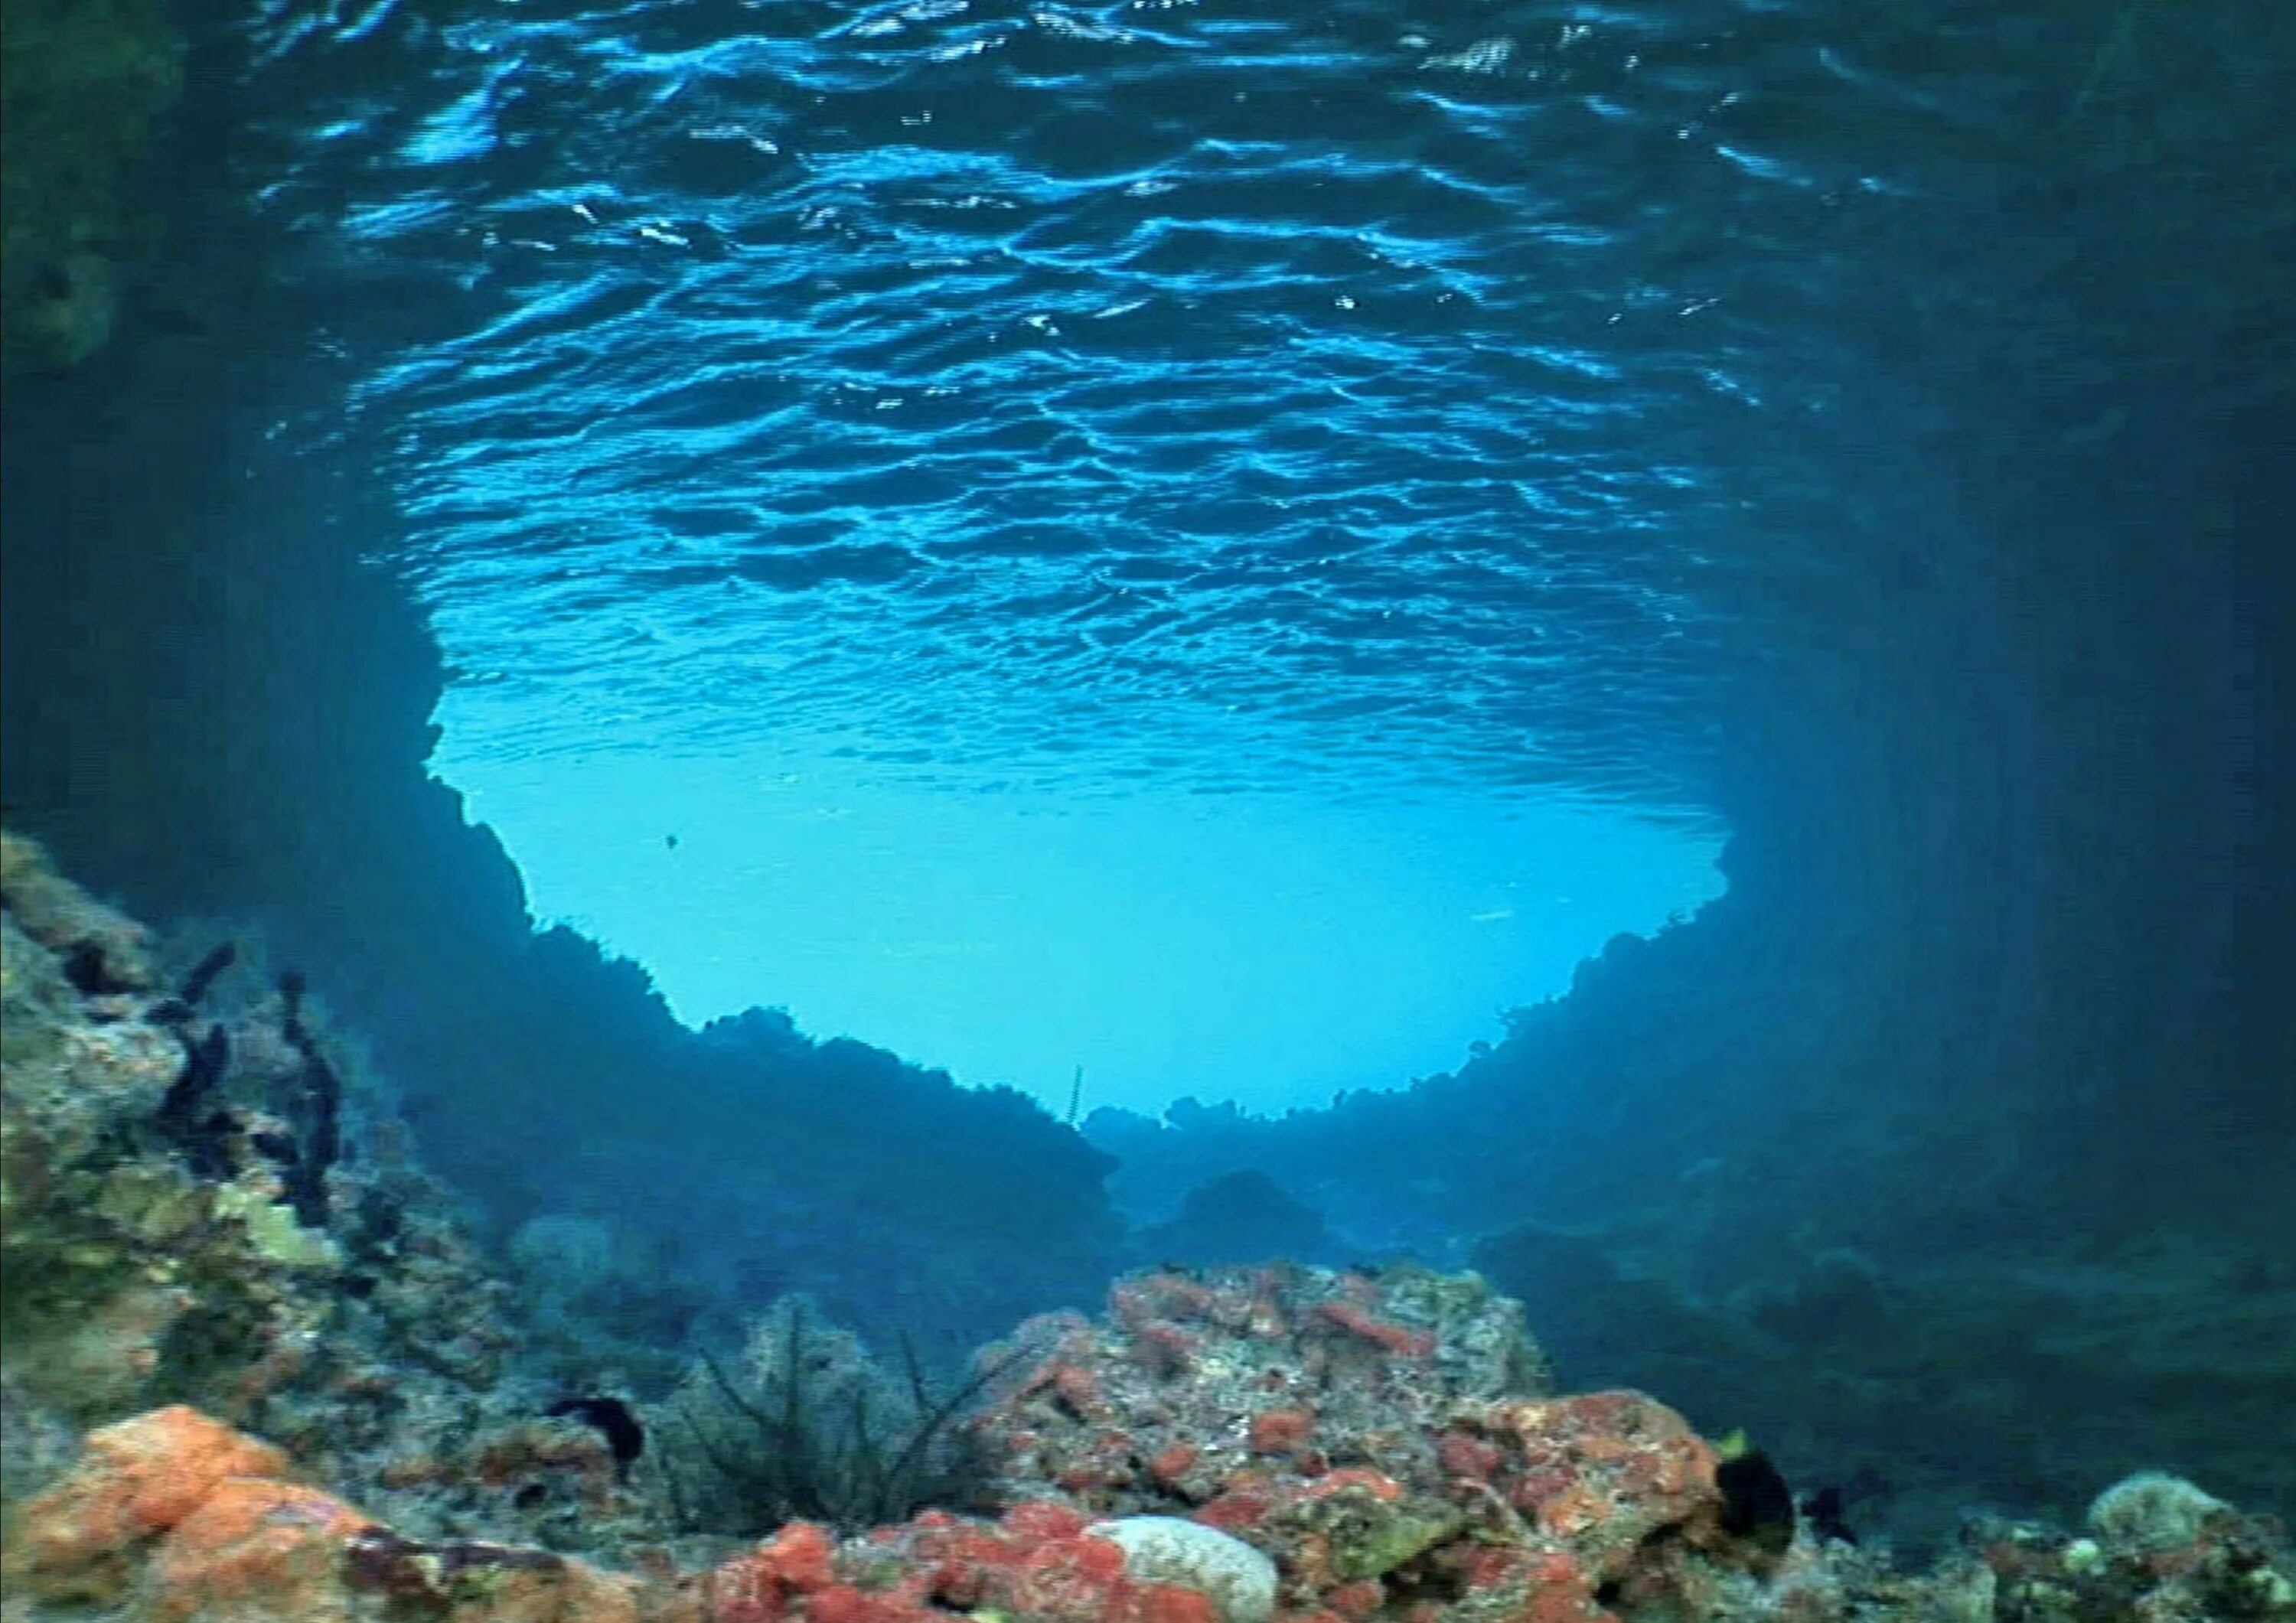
(1173, 1550)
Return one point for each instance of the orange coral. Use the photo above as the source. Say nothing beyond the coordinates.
(136, 1479)
(1281, 1430)
(189, 1522)
(253, 1549)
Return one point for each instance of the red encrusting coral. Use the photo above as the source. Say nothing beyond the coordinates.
(1037, 1561)
(1383, 1438)
(1282, 1430)
(1388, 1337)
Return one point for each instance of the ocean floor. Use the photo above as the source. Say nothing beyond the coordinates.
(254, 1366)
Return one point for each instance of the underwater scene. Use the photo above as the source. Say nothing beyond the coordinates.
(1148, 811)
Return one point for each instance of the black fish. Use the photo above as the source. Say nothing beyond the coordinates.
(614, 1422)
(1825, 1512)
(1756, 1504)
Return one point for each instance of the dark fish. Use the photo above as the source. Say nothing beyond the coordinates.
(614, 1420)
(1756, 1504)
(1826, 1510)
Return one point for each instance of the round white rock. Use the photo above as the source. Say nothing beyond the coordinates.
(1171, 1550)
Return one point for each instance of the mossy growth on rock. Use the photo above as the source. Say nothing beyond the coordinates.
(81, 84)
(132, 1276)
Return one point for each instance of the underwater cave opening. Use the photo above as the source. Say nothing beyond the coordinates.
(1259, 947)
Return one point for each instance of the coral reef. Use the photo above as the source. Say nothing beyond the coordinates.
(155, 1242)
(1388, 1443)
(172, 1517)
(1387, 1440)
(251, 1369)
(1601, 1508)
(1911, 1384)
(179, 1223)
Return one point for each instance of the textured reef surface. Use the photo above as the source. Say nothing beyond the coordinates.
(253, 1368)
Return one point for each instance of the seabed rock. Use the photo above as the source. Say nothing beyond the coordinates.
(248, 1375)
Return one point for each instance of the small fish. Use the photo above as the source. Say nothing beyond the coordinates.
(612, 1419)
(1825, 1512)
(1756, 1504)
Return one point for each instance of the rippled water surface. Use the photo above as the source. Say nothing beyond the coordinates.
(1215, 391)
(1380, 400)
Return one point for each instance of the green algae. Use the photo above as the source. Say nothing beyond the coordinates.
(81, 84)
(1377, 1538)
(272, 1231)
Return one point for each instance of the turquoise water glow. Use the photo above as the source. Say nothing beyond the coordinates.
(1265, 947)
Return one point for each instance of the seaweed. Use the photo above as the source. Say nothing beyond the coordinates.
(201, 1134)
(178, 1009)
(89, 968)
(320, 1140)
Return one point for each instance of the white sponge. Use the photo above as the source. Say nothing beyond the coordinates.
(1171, 1550)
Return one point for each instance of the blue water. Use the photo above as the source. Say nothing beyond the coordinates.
(1185, 393)
(1385, 421)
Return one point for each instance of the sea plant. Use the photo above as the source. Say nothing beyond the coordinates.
(804, 1425)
